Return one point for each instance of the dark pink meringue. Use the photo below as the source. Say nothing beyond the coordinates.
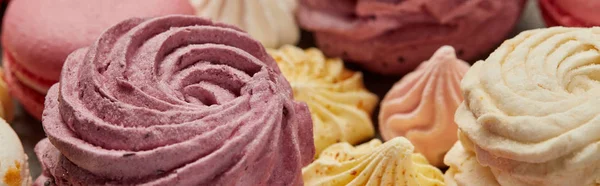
(173, 100)
(395, 36)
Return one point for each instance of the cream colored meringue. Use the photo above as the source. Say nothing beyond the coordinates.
(272, 22)
(6, 102)
(14, 169)
(421, 105)
(340, 105)
(372, 163)
(464, 168)
(531, 109)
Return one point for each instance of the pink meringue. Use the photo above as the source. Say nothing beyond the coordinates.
(394, 37)
(175, 100)
(421, 105)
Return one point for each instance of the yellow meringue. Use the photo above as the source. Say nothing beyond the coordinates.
(531, 111)
(14, 169)
(272, 22)
(372, 163)
(339, 103)
(6, 108)
(421, 105)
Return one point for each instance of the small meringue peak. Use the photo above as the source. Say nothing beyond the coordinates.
(444, 54)
(373, 163)
(421, 105)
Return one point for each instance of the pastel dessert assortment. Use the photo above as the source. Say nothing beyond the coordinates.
(372, 163)
(394, 37)
(271, 22)
(14, 168)
(202, 101)
(38, 35)
(225, 92)
(572, 13)
(421, 105)
(530, 114)
(340, 105)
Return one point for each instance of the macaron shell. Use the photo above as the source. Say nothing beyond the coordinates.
(41, 43)
(32, 101)
(27, 78)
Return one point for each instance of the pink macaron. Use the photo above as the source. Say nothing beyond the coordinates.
(38, 35)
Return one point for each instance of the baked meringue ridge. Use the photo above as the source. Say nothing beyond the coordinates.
(174, 100)
(530, 115)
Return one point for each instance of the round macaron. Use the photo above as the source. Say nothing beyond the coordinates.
(572, 13)
(36, 44)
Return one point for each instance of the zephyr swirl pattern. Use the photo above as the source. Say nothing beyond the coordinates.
(272, 22)
(174, 101)
(531, 109)
(340, 105)
(421, 105)
(373, 163)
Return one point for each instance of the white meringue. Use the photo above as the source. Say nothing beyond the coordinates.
(531, 109)
(14, 169)
(272, 22)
